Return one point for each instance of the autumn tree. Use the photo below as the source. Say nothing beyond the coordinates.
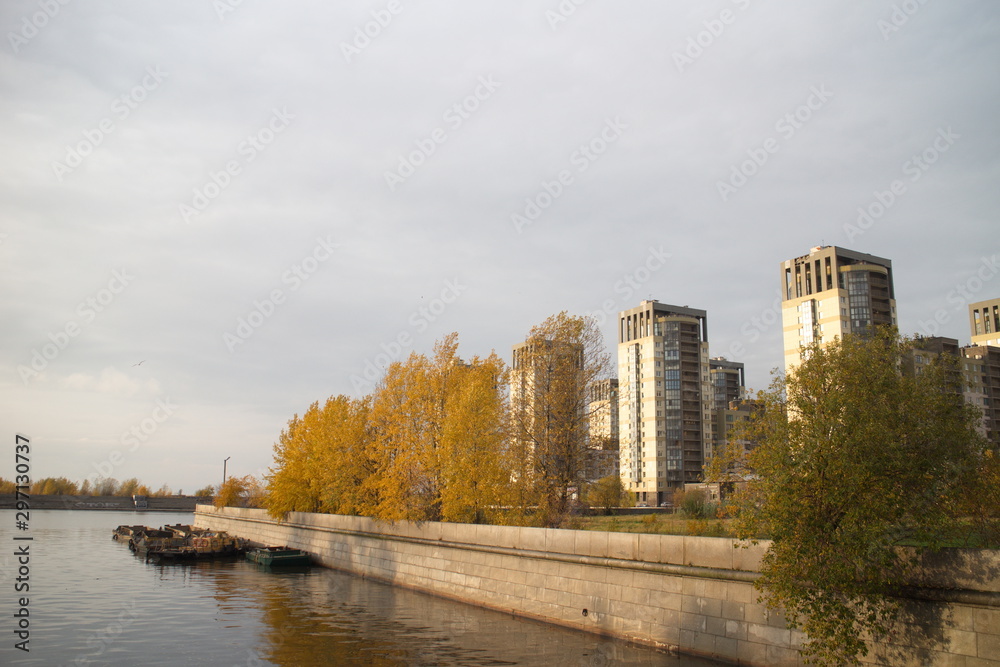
(477, 457)
(294, 483)
(406, 433)
(853, 459)
(246, 491)
(49, 486)
(133, 486)
(105, 486)
(978, 501)
(345, 460)
(322, 461)
(609, 493)
(429, 444)
(554, 375)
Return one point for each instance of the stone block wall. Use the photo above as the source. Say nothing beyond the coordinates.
(689, 594)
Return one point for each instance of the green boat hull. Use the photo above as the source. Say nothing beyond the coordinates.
(278, 557)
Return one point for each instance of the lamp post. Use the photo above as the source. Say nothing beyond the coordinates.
(224, 461)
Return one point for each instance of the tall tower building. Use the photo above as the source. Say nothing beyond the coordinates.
(728, 383)
(547, 382)
(831, 292)
(602, 453)
(664, 399)
(984, 322)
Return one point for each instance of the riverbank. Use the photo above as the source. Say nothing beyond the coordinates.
(692, 595)
(117, 503)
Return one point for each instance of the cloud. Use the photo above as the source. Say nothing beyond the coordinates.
(111, 381)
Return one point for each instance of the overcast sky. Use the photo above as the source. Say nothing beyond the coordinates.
(255, 200)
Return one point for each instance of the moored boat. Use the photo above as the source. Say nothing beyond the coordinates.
(277, 556)
(180, 543)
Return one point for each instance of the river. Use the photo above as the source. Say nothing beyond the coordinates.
(90, 601)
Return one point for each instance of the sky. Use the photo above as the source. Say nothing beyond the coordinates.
(216, 213)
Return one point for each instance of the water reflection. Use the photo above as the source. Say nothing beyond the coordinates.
(341, 619)
(94, 602)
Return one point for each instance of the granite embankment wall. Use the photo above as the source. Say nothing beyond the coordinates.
(689, 594)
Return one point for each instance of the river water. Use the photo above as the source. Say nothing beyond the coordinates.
(92, 602)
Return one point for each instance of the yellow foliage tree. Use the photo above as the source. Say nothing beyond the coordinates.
(478, 461)
(406, 426)
(246, 491)
(293, 483)
(345, 462)
(431, 443)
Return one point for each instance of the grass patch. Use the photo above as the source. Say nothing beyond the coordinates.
(655, 524)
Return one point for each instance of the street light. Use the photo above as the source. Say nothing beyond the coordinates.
(224, 470)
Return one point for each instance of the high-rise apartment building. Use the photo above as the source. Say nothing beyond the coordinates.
(547, 382)
(984, 322)
(602, 455)
(981, 364)
(728, 387)
(728, 381)
(604, 414)
(726, 419)
(831, 292)
(664, 399)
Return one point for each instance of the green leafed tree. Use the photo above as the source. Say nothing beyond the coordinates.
(853, 459)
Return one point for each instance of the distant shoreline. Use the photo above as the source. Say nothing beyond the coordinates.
(106, 503)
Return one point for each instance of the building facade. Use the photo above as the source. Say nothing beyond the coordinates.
(547, 384)
(602, 455)
(728, 381)
(830, 292)
(984, 322)
(664, 398)
(981, 365)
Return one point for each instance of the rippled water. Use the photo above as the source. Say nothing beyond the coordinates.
(93, 602)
